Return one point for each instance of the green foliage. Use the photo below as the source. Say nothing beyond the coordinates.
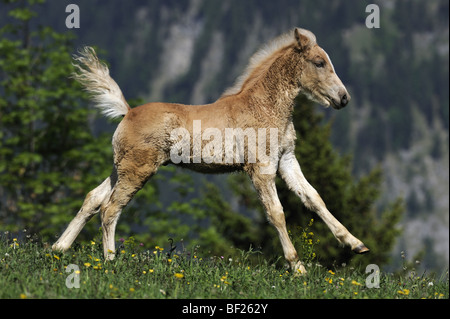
(48, 156)
(305, 240)
(227, 227)
(199, 215)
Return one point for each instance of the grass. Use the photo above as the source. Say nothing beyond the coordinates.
(30, 270)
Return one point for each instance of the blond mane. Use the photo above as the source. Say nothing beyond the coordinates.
(259, 62)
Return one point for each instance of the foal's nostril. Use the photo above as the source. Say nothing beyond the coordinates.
(344, 100)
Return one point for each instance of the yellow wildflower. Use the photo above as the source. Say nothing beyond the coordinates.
(99, 266)
(56, 257)
(87, 265)
(404, 292)
(354, 282)
(179, 275)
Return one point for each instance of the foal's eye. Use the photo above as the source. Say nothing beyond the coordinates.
(319, 64)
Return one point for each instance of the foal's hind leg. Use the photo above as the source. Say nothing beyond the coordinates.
(290, 171)
(131, 178)
(91, 206)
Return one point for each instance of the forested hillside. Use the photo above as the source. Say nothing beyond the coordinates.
(398, 119)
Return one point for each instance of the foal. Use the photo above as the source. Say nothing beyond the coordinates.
(261, 99)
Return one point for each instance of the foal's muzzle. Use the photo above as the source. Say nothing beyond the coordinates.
(344, 98)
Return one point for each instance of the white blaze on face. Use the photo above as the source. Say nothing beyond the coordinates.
(329, 60)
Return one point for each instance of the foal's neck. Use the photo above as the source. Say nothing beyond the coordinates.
(277, 89)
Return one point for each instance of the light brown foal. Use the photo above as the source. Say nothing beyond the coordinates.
(255, 114)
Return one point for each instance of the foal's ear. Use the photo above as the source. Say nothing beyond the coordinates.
(305, 39)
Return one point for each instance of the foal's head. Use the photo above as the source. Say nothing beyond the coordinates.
(318, 79)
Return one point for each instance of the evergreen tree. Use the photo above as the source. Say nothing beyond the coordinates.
(48, 157)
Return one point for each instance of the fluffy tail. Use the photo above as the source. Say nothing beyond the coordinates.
(94, 76)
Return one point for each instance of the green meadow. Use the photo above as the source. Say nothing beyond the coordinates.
(29, 269)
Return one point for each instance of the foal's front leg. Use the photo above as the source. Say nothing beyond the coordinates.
(265, 186)
(291, 173)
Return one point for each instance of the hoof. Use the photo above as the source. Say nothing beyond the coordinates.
(58, 247)
(361, 249)
(299, 269)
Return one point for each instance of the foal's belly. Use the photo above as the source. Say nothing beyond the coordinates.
(212, 168)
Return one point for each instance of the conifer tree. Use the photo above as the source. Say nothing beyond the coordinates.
(49, 158)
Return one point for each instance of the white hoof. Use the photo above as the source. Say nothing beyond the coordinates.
(59, 247)
(299, 269)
